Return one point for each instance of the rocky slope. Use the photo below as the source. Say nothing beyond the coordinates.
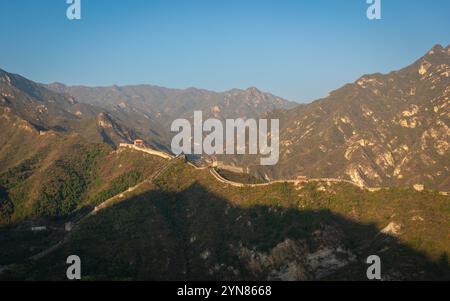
(150, 110)
(383, 130)
(39, 109)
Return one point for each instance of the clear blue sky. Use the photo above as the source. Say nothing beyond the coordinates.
(297, 49)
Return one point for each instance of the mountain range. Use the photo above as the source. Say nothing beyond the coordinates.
(139, 216)
(150, 110)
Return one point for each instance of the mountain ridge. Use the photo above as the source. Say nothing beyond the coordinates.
(370, 131)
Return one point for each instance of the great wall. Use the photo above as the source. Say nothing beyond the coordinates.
(147, 150)
(220, 178)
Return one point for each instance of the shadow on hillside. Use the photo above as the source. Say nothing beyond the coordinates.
(196, 235)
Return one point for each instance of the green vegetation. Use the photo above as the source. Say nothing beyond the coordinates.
(118, 185)
(58, 181)
(239, 178)
(14, 179)
(19, 173)
(67, 181)
(6, 206)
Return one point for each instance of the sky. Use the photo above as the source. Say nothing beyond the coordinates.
(297, 49)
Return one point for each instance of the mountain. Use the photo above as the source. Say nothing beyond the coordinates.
(54, 161)
(53, 151)
(150, 110)
(42, 110)
(51, 144)
(162, 103)
(382, 130)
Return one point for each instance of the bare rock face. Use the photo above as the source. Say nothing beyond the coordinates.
(328, 260)
(286, 261)
(294, 260)
(104, 121)
(393, 229)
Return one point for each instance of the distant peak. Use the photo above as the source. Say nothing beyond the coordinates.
(253, 90)
(57, 84)
(3, 72)
(436, 49)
